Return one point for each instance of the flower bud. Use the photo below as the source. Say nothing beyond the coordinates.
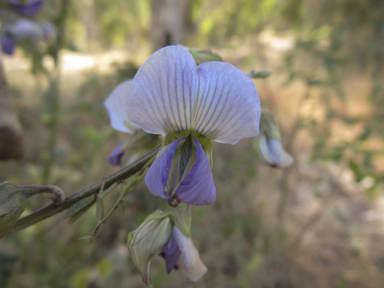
(259, 74)
(203, 55)
(148, 241)
(267, 144)
(130, 151)
(12, 204)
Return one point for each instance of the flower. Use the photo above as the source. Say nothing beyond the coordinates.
(117, 155)
(166, 232)
(191, 105)
(117, 108)
(115, 104)
(140, 142)
(267, 145)
(181, 253)
(147, 241)
(20, 31)
(8, 44)
(28, 7)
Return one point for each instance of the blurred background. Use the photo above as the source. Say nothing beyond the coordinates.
(318, 223)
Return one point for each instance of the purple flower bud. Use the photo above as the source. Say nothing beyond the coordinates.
(29, 8)
(115, 157)
(7, 44)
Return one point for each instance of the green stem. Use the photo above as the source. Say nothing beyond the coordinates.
(119, 201)
(53, 96)
(55, 208)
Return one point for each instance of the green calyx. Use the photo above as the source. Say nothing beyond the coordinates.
(269, 126)
(148, 241)
(154, 233)
(12, 205)
(181, 216)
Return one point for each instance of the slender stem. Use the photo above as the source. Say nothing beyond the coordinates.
(119, 201)
(53, 95)
(55, 208)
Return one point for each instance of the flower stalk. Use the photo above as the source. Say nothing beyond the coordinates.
(55, 208)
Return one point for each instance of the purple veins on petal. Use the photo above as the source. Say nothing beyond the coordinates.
(8, 44)
(157, 175)
(163, 92)
(198, 188)
(115, 157)
(228, 105)
(170, 93)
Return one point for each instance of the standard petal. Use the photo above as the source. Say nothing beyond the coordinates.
(279, 156)
(228, 105)
(117, 108)
(7, 44)
(189, 262)
(115, 157)
(163, 93)
(172, 254)
(197, 188)
(157, 175)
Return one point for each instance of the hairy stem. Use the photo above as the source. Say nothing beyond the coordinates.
(55, 208)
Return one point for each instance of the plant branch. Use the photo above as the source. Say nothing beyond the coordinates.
(55, 208)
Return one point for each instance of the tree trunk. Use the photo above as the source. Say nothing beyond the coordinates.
(171, 22)
(11, 141)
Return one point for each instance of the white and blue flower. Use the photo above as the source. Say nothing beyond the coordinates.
(191, 105)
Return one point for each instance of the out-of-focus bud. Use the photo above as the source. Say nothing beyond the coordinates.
(137, 146)
(8, 44)
(148, 241)
(23, 30)
(49, 31)
(20, 31)
(12, 204)
(259, 74)
(27, 7)
(267, 144)
(203, 55)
